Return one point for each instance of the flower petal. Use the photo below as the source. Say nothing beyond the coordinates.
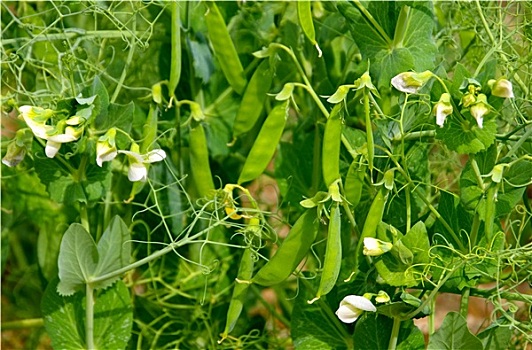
(358, 302)
(137, 172)
(348, 315)
(133, 156)
(156, 155)
(52, 148)
(62, 138)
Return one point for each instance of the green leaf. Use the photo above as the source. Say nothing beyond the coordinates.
(374, 332)
(64, 318)
(312, 327)
(390, 55)
(454, 334)
(101, 104)
(519, 174)
(466, 137)
(417, 240)
(495, 337)
(78, 258)
(114, 250)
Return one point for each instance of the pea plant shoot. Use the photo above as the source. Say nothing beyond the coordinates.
(266, 175)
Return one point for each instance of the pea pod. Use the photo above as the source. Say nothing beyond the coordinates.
(331, 146)
(354, 182)
(294, 248)
(245, 271)
(264, 147)
(376, 211)
(253, 100)
(175, 64)
(333, 255)
(224, 48)
(199, 161)
(304, 14)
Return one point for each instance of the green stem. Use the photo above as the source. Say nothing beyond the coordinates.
(395, 333)
(401, 26)
(369, 132)
(84, 217)
(316, 162)
(132, 46)
(75, 32)
(414, 135)
(20, 324)
(89, 316)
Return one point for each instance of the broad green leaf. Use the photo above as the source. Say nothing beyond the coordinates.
(382, 44)
(454, 334)
(78, 258)
(101, 104)
(519, 174)
(495, 337)
(48, 244)
(417, 240)
(114, 250)
(374, 331)
(466, 137)
(64, 318)
(311, 326)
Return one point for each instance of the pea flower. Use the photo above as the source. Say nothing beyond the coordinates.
(501, 88)
(35, 118)
(411, 82)
(137, 162)
(53, 145)
(480, 109)
(16, 150)
(376, 247)
(443, 108)
(352, 306)
(106, 147)
(382, 297)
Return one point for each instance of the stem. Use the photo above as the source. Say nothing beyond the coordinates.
(70, 33)
(20, 324)
(316, 162)
(369, 132)
(474, 230)
(401, 26)
(89, 316)
(132, 46)
(395, 333)
(84, 216)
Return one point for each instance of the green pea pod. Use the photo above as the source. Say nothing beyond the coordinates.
(175, 64)
(253, 99)
(245, 271)
(333, 255)
(331, 146)
(376, 211)
(304, 14)
(224, 48)
(199, 161)
(264, 147)
(354, 182)
(294, 248)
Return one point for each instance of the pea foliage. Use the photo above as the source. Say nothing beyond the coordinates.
(143, 141)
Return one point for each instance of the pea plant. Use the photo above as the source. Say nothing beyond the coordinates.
(266, 175)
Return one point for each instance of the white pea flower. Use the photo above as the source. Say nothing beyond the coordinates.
(35, 118)
(18, 147)
(443, 108)
(411, 82)
(137, 162)
(352, 306)
(54, 142)
(376, 247)
(480, 109)
(501, 88)
(106, 147)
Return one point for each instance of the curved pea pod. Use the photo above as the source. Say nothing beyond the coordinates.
(331, 146)
(199, 161)
(294, 248)
(354, 182)
(245, 271)
(175, 63)
(253, 100)
(224, 48)
(375, 213)
(333, 255)
(304, 14)
(264, 147)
